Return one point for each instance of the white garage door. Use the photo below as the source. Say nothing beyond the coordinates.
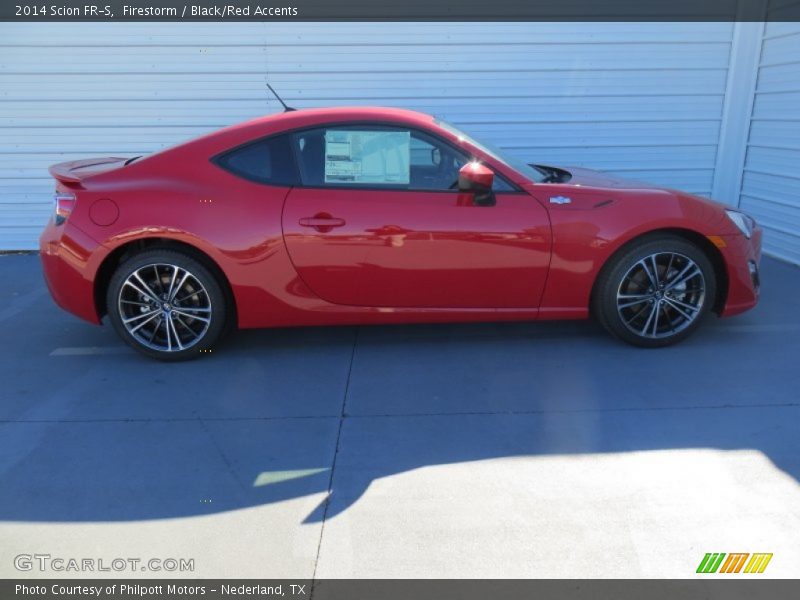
(639, 99)
(771, 180)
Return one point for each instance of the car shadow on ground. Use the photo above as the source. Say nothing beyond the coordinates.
(105, 435)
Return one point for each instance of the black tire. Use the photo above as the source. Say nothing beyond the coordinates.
(198, 312)
(625, 305)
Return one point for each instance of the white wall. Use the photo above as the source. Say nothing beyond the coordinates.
(643, 100)
(771, 181)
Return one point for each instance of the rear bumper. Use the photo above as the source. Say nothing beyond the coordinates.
(67, 255)
(742, 260)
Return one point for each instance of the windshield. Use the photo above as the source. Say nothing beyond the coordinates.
(528, 171)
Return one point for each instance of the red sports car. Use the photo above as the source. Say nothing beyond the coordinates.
(376, 215)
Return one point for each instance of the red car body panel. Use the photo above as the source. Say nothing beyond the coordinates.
(427, 249)
(371, 256)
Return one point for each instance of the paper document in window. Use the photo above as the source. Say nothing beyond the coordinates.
(367, 157)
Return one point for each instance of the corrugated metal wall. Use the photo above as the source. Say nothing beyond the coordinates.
(638, 99)
(771, 180)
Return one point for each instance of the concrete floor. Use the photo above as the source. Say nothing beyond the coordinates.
(490, 450)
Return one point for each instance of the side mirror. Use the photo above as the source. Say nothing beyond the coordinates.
(477, 179)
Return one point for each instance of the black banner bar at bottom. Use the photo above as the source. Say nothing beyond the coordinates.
(730, 588)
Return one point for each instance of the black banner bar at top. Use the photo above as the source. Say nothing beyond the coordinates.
(399, 10)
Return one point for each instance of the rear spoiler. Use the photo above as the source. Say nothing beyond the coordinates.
(73, 172)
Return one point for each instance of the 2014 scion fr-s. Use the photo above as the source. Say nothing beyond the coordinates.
(375, 215)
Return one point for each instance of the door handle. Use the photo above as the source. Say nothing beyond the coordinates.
(322, 222)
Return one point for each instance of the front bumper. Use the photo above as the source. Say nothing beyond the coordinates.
(68, 259)
(742, 261)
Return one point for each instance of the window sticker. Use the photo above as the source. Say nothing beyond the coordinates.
(367, 157)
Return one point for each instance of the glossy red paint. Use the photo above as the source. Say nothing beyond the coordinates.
(419, 250)
(312, 256)
(477, 174)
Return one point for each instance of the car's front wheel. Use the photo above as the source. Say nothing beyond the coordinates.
(656, 292)
(166, 304)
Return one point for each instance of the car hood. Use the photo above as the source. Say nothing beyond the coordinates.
(700, 208)
(588, 177)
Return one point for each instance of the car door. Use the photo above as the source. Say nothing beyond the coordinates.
(377, 222)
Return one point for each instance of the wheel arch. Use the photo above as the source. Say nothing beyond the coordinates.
(698, 239)
(117, 256)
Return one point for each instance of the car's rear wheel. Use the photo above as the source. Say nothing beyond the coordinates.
(166, 304)
(656, 292)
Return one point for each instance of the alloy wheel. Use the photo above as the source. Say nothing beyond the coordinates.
(164, 307)
(661, 295)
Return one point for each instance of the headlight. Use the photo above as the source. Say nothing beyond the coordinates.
(742, 221)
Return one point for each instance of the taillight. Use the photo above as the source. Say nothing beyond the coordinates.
(65, 202)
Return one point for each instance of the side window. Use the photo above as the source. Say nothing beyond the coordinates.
(501, 184)
(378, 156)
(435, 165)
(353, 156)
(266, 161)
(424, 154)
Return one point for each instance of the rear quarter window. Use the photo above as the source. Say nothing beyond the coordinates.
(269, 161)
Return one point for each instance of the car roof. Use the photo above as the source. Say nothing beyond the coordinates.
(312, 116)
(220, 140)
